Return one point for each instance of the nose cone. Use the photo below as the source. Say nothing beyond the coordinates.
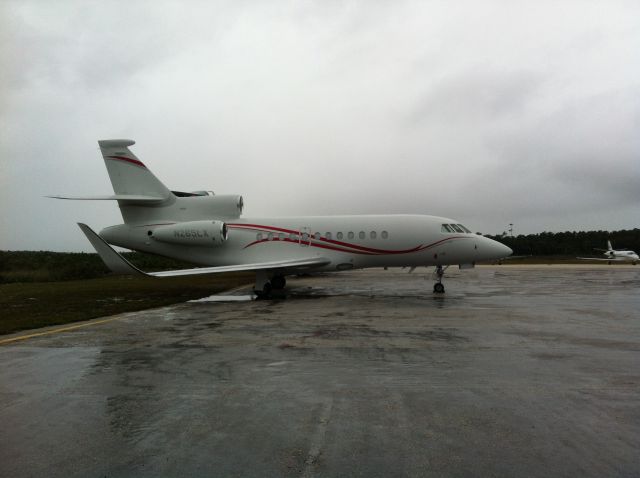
(495, 250)
(504, 250)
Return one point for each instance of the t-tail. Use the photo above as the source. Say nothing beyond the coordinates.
(144, 200)
(139, 193)
(128, 175)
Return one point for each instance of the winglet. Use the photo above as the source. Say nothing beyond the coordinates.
(110, 257)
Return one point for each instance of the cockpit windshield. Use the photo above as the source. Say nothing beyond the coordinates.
(453, 228)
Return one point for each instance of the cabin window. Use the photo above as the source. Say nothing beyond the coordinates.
(316, 236)
(339, 235)
(270, 236)
(259, 236)
(384, 234)
(305, 236)
(373, 234)
(351, 235)
(446, 228)
(327, 235)
(281, 236)
(292, 236)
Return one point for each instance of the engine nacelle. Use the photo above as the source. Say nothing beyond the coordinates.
(225, 205)
(192, 233)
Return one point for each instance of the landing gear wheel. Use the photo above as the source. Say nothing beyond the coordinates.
(438, 287)
(278, 282)
(265, 293)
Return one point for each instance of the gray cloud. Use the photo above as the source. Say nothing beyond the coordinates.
(492, 113)
(476, 96)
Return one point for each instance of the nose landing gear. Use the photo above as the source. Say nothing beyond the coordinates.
(438, 287)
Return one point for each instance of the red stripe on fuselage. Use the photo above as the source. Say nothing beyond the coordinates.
(311, 244)
(258, 226)
(128, 160)
(358, 249)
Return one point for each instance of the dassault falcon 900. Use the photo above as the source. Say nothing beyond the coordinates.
(207, 229)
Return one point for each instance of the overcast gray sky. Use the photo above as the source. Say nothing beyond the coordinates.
(491, 112)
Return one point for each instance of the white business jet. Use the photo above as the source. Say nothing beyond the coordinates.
(614, 255)
(207, 229)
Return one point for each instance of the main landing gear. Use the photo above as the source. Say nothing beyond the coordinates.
(265, 285)
(438, 287)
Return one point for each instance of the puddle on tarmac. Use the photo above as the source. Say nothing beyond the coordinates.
(225, 298)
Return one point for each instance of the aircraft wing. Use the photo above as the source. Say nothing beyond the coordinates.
(120, 265)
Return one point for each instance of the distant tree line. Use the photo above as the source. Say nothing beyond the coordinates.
(581, 243)
(45, 266)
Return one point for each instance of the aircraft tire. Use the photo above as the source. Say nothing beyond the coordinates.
(265, 293)
(438, 288)
(278, 282)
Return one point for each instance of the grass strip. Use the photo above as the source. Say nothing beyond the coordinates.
(40, 304)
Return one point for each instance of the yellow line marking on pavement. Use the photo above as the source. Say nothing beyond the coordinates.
(55, 331)
(79, 326)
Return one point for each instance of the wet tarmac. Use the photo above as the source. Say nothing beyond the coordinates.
(515, 371)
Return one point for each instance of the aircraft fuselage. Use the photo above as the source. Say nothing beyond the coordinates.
(349, 242)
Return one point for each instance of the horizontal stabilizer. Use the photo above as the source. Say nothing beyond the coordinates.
(115, 197)
(120, 265)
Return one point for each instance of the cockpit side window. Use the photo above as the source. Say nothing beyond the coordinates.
(456, 228)
(446, 228)
(464, 228)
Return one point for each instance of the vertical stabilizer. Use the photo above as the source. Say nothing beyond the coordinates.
(609, 248)
(130, 177)
(127, 173)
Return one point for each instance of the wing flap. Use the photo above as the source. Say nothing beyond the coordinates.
(120, 265)
(298, 265)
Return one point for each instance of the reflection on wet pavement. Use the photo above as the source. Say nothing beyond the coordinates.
(514, 371)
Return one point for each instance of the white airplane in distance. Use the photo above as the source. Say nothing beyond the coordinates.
(614, 255)
(207, 229)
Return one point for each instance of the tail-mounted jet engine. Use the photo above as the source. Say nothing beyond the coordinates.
(200, 204)
(194, 233)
